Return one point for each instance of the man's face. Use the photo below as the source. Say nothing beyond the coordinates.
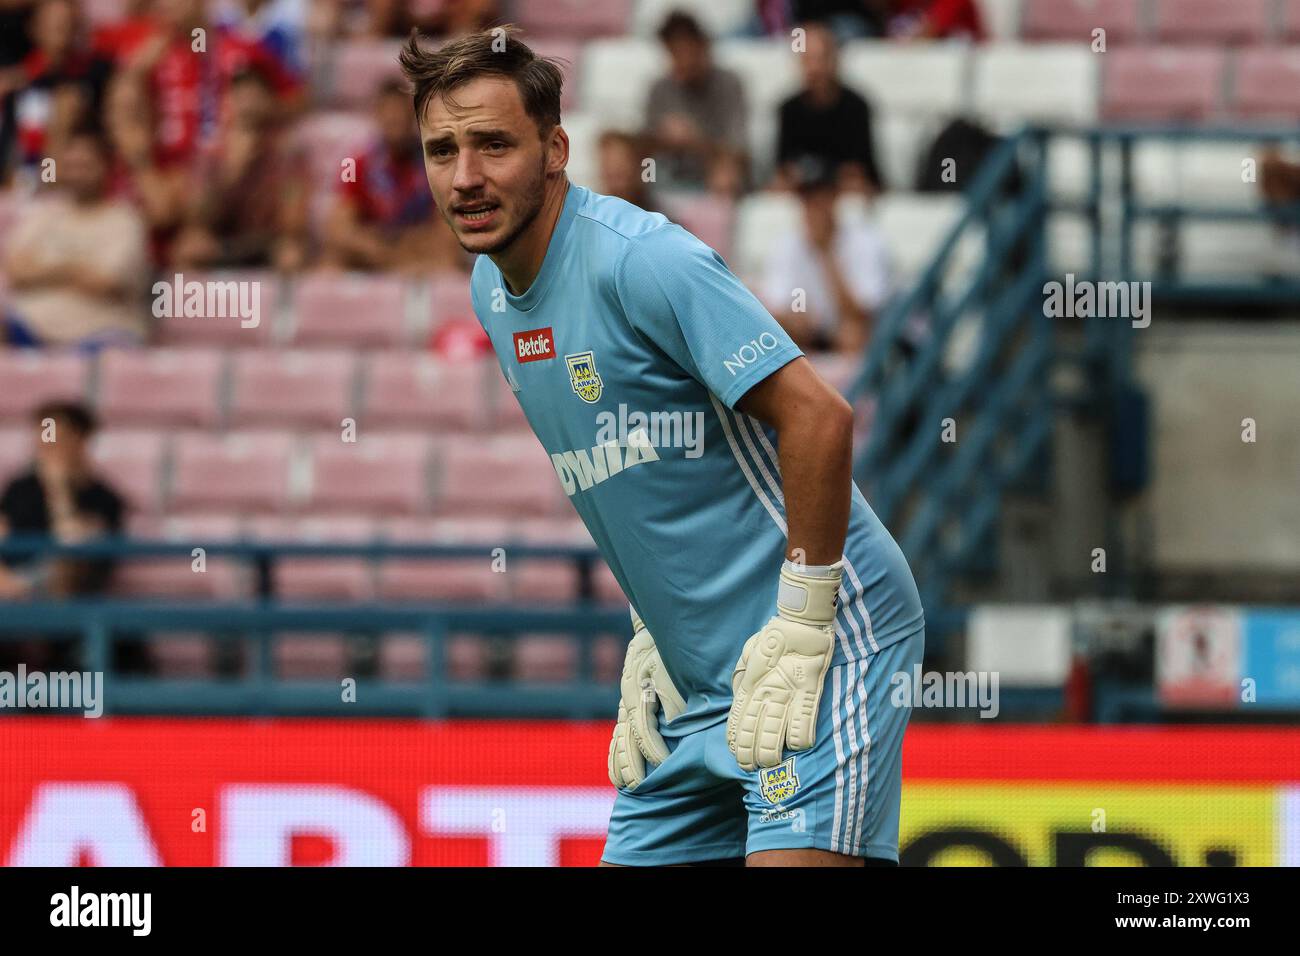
(688, 60)
(486, 162)
(82, 169)
(67, 452)
(819, 60)
(53, 27)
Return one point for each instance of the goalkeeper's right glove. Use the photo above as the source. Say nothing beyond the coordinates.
(645, 686)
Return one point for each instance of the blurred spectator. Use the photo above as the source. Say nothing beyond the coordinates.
(935, 20)
(278, 25)
(954, 159)
(250, 209)
(189, 86)
(696, 115)
(332, 19)
(621, 158)
(827, 121)
(1279, 178)
(59, 84)
(159, 193)
(60, 496)
(77, 259)
(385, 217)
(825, 282)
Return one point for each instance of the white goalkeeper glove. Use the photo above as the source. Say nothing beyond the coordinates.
(777, 683)
(645, 686)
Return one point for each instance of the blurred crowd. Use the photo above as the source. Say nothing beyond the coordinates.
(148, 158)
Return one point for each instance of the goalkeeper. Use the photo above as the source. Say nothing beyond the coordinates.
(770, 606)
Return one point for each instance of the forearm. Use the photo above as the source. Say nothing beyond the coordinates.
(816, 456)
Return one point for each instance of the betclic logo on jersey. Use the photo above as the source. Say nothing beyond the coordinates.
(535, 345)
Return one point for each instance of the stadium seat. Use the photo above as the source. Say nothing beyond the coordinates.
(507, 413)
(608, 590)
(1069, 244)
(920, 80)
(769, 74)
(1163, 84)
(449, 298)
(545, 658)
(417, 389)
(1267, 84)
(547, 580)
(504, 475)
(708, 218)
(377, 474)
(761, 219)
(1001, 18)
(291, 388)
(1055, 83)
(576, 19)
(902, 140)
(403, 657)
(444, 579)
(15, 452)
(584, 131)
(568, 52)
(160, 386)
(913, 225)
(1195, 173)
(355, 310)
(29, 377)
(182, 656)
(325, 140)
(1212, 21)
(131, 462)
(320, 579)
(240, 471)
(1289, 15)
(175, 577)
(361, 67)
(316, 656)
(616, 78)
(261, 289)
(1074, 20)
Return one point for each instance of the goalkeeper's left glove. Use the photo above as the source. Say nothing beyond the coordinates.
(777, 683)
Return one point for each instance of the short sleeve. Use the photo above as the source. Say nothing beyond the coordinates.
(679, 294)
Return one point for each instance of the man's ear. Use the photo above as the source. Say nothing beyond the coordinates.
(557, 151)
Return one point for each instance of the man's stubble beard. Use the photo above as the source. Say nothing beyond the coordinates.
(536, 188)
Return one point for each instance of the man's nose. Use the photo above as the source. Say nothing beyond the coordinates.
(469, 174)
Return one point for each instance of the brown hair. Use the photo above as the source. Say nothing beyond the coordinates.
(494, 52)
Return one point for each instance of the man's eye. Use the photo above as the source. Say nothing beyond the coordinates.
(497, 146)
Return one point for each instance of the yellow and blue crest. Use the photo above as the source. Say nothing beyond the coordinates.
(778, 783)
(583, 376)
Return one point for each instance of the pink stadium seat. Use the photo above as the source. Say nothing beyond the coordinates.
(466, 657)
(181, 656)
(450, 298)
(403, 657)
(29, 377)
(377, 474)
(1212, 21)
(414, 388)
(320, 579)
(444, 579)
(1267, 83)
(511, 476)
(569, 53)
(1163, 84)
(1290, 17)
(361, 67)
(547, 580)
(174, 577)
(1066, 20)
(507, 413)
(328, 138)
(160, 386)
(257, 289)
(608, 590)
(545, 657)
(355, 310)
(131, 462)
(291, 388)
(241, 471)
(15, 452)
(310, 656)
(708, 218)
(577, 19)
(607, 653)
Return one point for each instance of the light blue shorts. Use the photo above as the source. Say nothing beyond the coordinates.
(841, 795)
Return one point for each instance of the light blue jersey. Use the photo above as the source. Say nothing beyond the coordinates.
(628, 355)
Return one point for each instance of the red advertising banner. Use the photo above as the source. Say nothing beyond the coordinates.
(203, 792)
